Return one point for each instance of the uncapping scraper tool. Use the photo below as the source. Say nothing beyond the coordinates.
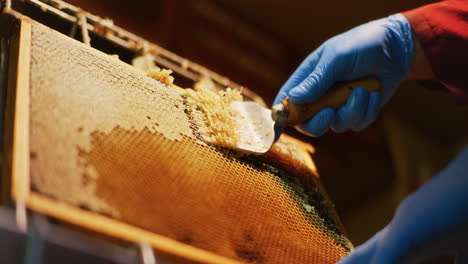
(259, 124)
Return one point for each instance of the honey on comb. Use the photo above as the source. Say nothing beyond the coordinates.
(198, 195)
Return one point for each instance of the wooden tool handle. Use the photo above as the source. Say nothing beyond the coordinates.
(335, 97)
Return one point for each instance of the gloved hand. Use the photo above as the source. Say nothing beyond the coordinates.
(439, 207)
(381, 48)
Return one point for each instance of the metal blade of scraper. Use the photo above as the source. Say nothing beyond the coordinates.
(258, 124)
(255, 127)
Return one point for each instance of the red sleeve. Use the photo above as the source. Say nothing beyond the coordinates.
(442, 30)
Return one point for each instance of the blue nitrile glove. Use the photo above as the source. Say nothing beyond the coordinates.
(438, 208)
(381, 48)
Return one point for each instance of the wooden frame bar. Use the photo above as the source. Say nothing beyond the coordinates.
(108, 226)
(20, 141)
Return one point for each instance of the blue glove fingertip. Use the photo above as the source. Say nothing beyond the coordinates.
(316, 84)
(300, 74)
(280, 97)
(373, 108)
(295, 94)
(306, 92)
(352, 113)
(319, 124)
